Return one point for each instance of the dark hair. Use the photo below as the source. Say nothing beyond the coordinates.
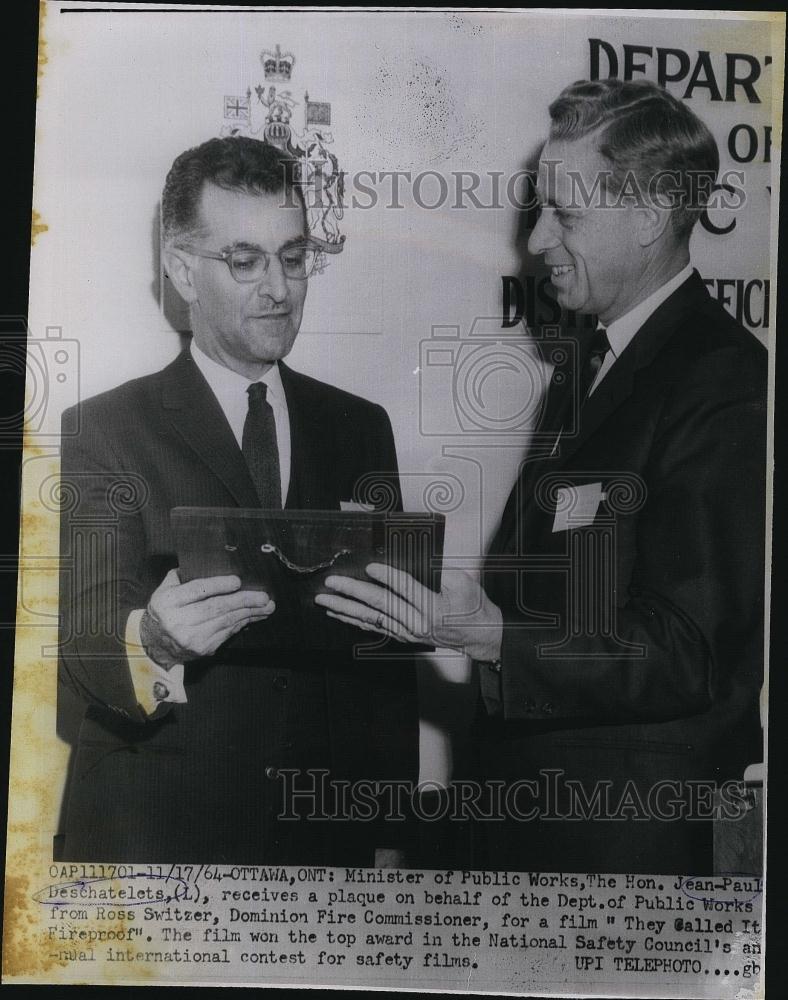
(236, 163)
(649, 137)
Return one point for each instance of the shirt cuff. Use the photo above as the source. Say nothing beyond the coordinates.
(153, 685)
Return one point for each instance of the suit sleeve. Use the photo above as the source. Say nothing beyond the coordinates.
(156, 688)
(690, 626)
(390, 699)
(102, 578)
(378, 481)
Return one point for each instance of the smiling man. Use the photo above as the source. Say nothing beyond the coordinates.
(611, 238)
(618, 631)
(191, 714)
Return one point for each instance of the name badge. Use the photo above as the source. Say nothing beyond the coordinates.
(577, 506)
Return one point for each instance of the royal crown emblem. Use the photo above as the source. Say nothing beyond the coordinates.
(277, 65)
(269, 112)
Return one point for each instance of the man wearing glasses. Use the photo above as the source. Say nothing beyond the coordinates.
(190, 721)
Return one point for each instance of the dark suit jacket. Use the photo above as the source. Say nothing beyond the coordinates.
(205, 782)
(632, 647)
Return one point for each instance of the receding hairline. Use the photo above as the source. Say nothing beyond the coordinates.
(200, 227)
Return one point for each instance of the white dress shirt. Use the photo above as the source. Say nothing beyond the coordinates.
(622, 330)
(230, 389)
(153, 685)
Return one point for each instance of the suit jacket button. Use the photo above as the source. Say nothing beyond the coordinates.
(280, 682)
(547, 708)
(272, 772)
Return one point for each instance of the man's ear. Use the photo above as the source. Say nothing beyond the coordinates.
(178, 265)
(652, 221)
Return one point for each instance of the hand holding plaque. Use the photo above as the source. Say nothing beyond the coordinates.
(184, 621)
(288, 554)
(460, 616)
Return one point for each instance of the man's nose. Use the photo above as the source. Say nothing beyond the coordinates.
(274, 282)
(543, 236)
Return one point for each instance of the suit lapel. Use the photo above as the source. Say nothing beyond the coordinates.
(194, 412)
(558, 406)
(614, 389)
(617, 385)
(311, 446)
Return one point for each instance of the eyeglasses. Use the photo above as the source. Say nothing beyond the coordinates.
(247, 265)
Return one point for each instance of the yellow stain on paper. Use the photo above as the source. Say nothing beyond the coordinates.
(37, 227)
(43, 58)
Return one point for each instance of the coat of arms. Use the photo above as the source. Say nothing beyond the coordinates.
(269, 112)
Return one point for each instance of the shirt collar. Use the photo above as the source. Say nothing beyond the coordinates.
(227, 384)
(622, 330)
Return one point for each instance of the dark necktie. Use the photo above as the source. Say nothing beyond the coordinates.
(558, 399)
(600, 345)
(260, 448)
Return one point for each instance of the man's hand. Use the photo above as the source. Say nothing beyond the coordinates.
(184, 621)
(460, 617)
